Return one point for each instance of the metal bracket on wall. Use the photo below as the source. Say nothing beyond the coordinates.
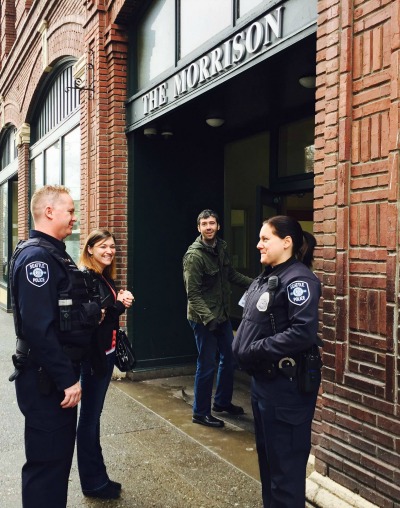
(84, 73)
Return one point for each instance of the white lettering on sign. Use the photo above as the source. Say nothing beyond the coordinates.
(250, 41)
(155, 98)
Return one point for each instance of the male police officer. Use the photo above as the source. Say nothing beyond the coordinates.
(55, 314)
(207, 274)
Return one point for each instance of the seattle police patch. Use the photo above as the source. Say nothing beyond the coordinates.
(37, 273)
(298, 292)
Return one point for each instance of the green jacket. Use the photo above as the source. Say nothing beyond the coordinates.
(207, 274)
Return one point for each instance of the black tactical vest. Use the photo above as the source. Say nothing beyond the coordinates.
(79, 302)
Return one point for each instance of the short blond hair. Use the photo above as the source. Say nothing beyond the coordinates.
(49, 194)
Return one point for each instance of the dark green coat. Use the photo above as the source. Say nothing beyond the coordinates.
(207, 274)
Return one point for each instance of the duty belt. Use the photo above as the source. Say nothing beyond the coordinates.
(287, 366)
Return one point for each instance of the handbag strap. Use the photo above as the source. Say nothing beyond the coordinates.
(110, 287)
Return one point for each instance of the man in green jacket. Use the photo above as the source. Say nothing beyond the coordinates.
(208, 273)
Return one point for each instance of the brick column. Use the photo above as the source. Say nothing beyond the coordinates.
(23, 141)
(104, 143)
(116, 47)
(356, 215)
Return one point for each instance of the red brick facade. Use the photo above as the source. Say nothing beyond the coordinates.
(73, 29)
(356, 222)
(357, 428)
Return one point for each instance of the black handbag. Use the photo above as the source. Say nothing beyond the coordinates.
(124, 355)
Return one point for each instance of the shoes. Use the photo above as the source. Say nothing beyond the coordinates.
(208, 421)
(231, 409)
(109, 491)
(116, 485)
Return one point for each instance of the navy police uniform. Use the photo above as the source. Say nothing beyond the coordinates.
(51, 341)
(277, 344)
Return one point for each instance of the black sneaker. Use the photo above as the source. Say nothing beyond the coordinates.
(208, 420)
(231, 409)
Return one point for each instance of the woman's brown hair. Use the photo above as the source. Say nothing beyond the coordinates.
(86, 259)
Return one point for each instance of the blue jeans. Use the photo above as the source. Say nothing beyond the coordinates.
(92, 470)
(208, 344)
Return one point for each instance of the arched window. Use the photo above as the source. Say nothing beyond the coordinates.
(55, 134)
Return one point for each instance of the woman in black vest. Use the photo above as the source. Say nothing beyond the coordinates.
(98, 258)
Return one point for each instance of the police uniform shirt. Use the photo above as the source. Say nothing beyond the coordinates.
(38, 278)
(280, 322)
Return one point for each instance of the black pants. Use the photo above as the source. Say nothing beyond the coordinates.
(49, 443)
(282, 419)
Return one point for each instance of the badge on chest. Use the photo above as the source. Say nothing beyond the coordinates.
(263, 301)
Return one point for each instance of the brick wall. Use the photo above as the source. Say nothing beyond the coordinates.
(104, 143)
(74, 28)
(7, 26)
(356, 223)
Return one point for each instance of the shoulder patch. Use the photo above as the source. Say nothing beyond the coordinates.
(37, 273)
(298, 292)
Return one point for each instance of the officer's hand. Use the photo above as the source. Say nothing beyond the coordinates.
(72, 397)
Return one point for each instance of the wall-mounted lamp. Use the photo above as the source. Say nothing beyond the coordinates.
(215, 121)
(150, 132)
(307, 81)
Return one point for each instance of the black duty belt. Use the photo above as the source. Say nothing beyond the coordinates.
(74, 353)
(286, 366)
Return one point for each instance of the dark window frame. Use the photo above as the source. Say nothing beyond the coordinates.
(236, 21)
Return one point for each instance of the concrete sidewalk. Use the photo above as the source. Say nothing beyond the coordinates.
(151, 446)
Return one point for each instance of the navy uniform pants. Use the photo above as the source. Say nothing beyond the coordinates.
(282, 419)
(49, 442)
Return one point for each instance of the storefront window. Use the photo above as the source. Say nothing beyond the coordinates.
(156, 41)
(71, 176)
(171, 29)
(4, 232)
(246, 6)
(60, 164)
(8, 200)
(296, 148)
(37, 173)
(202, 20)
(52, 162)
(55, 157)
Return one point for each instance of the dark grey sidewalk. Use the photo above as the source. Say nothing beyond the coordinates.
(151, 446)
(158, 464)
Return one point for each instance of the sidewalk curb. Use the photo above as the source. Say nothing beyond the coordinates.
(323, 492)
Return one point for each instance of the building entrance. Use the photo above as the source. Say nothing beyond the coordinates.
(257, 164)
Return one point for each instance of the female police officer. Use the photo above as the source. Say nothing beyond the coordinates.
(277, 344)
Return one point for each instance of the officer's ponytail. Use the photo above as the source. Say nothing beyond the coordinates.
(303, 242)
(306, 252)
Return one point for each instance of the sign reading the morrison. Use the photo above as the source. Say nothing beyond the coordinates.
(233, 51)
(252, 41)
